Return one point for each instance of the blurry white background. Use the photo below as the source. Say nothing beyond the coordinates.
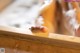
(22, 13)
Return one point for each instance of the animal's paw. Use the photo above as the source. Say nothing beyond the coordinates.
(39, 29)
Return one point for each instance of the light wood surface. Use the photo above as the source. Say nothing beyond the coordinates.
(14, 29)
(15, 42)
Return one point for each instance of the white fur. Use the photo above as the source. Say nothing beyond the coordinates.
(71, 14)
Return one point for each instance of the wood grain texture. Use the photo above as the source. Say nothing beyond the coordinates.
(24, 43)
